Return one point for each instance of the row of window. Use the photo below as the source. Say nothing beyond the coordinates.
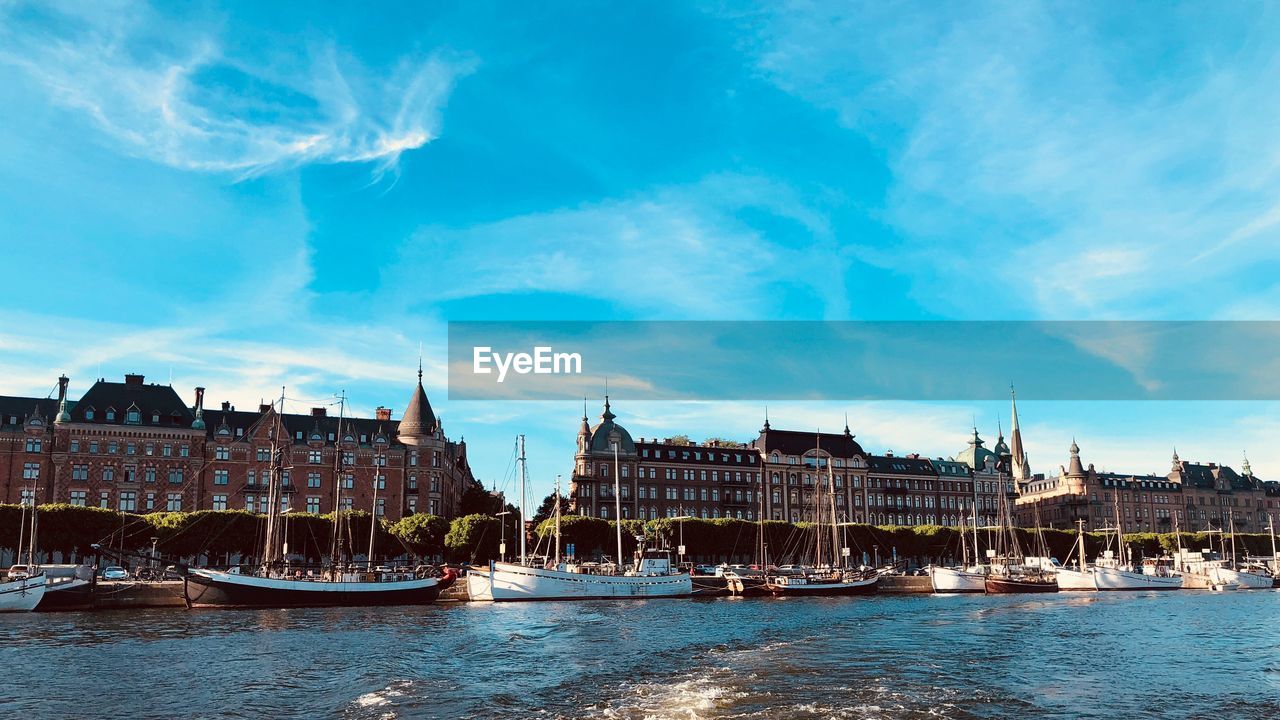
(127, 500)
(112, 447)
(130, 474)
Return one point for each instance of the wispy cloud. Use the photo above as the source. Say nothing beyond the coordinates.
(168, 91)
(671, 252)
(1081, 166)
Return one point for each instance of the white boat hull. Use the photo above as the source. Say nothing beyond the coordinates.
(1116, 579)
(22, 595)
(954, 580)
(1069, 579)
(501, 582)
(1246, 580)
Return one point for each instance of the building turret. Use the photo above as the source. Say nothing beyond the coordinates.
(419, 421)
(1076, 475)
(63, 416)
(198, 424)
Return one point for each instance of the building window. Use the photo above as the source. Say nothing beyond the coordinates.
(175, 476)
(79, 497)
(112, 447)
(220, 477)
(313, 479)
(108, 474)
(133, 417)
(151, 501)
(80, 472)
(315, 457)
(31, 471)
(381, 509)
(413, 506)
(313, 504)
(222, 452)
(346, 504)
(382, 482)
(184, 451)
(111, 414)
(128, 501)
(104, 499)
(167, 450)
(413, 483)
(33, 445)
(75, 445)
(149, 474)
(219, 502)
(93, 447)
(251, 503)
(349, 482)
(88, 414)
(175, 502)
(251, 478)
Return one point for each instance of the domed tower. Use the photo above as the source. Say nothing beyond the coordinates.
(1075, 476)
(976, 456)
(600, 448)
(419, 423)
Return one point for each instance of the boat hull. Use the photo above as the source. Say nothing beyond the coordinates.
(790, 588)
(22, 595)
(75, 594)
(1246, 580)
(1008, 586)
(747, 585)
(1116, 579)
(1076, 580)
(215, 589)
(954, 580)
(508, 582)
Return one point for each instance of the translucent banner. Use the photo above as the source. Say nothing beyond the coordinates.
(786, 360)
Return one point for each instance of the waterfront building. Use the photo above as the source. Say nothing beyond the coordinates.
(138, 447)
(780, 475)
(1194, 496)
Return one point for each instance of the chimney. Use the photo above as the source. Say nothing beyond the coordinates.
(383, 413)
(263, 408)
(132, 379)
(318, 412)
(226, 406)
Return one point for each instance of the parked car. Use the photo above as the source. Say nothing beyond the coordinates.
(19, 572)
(706, 570)
(115, 573)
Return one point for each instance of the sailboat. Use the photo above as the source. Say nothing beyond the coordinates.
(824, 577)
(750, 582)
(1082, 577)
(25, 585)
(1112, 573)
(968, 578)
(651, 576)
(271, 585)
(1248, 577)
(1008, 573)
(1201, 570)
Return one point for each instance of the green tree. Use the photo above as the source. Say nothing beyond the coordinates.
(473, 538)
(423, 534)
(548, 508)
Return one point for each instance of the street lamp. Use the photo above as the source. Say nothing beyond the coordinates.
(154, 540)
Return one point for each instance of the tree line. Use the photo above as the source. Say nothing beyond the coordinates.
(216, 536)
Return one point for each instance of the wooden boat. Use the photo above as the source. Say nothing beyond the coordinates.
(1003, 585)
(827, 584)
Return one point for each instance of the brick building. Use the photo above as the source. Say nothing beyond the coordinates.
(139, 447)
(776, 476)
(1192, 496)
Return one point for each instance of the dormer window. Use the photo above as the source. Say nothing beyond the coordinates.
(133, 417)
(88, 413)
(155, 418)
(111, 414)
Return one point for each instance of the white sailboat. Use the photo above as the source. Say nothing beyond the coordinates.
(1248, 577)
(1112, 573)
(968, 578)
(1081, 577)
(25, 584)
(652, 575)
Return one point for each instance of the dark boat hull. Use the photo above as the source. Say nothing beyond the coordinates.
(1009, 586)
(710, 586)
(204, 592)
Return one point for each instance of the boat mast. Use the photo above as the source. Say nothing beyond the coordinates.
(557, 563)
(373, 507)
(524, 499)
(835, 529)
(273, 490)
(1231, 520)
(977, 558)
(1080, 538)
(1271, 527)
(617, 501)
(817, 500)
(337, 483)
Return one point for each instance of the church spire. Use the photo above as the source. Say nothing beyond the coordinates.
(1021, 467)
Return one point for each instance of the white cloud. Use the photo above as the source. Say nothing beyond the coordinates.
(1049, 165)
(672, 252)
(172, 93)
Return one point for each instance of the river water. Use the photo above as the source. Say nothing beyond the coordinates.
(1097, 655)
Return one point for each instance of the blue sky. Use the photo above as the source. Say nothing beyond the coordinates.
(250, 195)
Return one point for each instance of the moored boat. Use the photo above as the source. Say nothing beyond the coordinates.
(205, 588)
(838, 583)
(1126, 578)
(1008, 584)
(957, 580)
(22, 594)
(503, 581)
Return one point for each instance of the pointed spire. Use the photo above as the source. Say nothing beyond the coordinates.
(766, 419)
(418, 418)
(1021, 466)
(63, 416)
(607, 415)
(1075, 469)
(1245, 469)
(846, 426)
